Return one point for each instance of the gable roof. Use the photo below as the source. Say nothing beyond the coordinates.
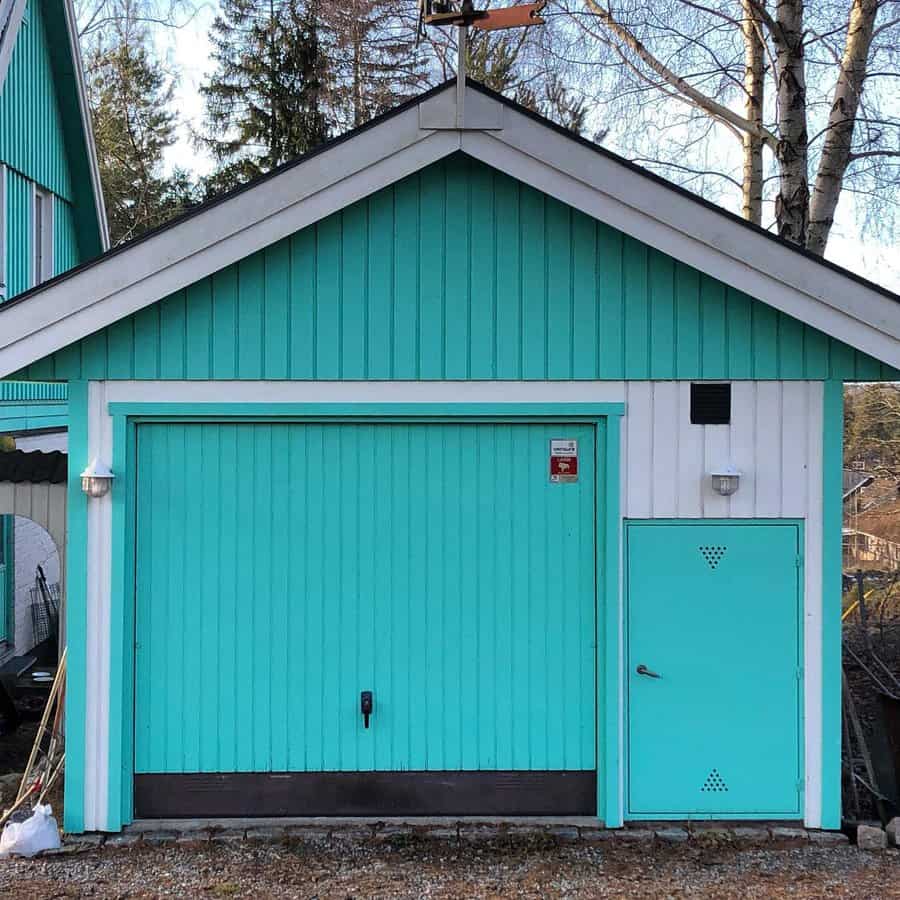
(64, 50)
(855, 481)
(441, 122)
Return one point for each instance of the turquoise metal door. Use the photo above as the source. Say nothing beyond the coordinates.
(713, 611)
(282, 569)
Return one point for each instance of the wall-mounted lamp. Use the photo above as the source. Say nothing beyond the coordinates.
(725, 480)
(96, 479)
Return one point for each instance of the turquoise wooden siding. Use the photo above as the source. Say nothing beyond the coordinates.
(65, 238)
(459, 272)
(19, 212)
(19, 191)
(283, 568)
(713, 609)
(25, 391)
(32, 137)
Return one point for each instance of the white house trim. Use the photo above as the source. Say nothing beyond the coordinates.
(85, 113)
(596, 183)
(11, 14)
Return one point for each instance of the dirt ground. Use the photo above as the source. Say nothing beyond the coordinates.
(435, 869)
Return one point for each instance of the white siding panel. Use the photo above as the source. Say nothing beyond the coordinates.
(743, 446)
(638, 460)
(716, 454)
(686, 451)
(663, 471)
(667, 461)
(795, 439)
(767, 461)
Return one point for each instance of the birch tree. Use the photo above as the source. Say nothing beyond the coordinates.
(808, 91)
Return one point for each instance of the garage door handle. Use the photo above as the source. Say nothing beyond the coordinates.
(643, 670)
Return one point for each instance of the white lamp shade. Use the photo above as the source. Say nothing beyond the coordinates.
(725, 480)
(96, 479)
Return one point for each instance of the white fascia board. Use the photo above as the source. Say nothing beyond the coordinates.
(85, 113)
(668, 220)
(203, 244)
(9, 34)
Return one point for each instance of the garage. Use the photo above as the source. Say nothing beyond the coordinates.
(364, 618)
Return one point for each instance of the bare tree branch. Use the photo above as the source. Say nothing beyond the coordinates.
(712, 107)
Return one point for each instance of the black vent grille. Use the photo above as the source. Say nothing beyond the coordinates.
(710, 404)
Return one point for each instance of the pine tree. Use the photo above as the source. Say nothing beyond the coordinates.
(374, 61)
(130, 97)
(265, 103)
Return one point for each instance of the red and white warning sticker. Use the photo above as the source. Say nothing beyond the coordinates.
(563, 460)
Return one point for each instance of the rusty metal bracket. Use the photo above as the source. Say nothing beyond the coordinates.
(522, 16)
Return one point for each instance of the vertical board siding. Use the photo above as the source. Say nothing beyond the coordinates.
(29, 391)
(459, 272)
(432, 564)
(18, 231)
(774, 439)
(19, 211)
(31, 129)
(65, 237)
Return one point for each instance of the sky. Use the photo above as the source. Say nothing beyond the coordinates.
(189, 51)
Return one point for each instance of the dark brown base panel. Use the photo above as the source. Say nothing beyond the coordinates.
(365, 794)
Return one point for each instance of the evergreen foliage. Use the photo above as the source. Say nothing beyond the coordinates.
(130, 97)
(266, 100)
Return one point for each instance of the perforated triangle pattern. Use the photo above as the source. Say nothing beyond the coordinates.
(714, 783)
(713, 555)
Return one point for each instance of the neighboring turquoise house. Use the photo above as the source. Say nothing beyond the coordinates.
(51, 207)
(51, 219)
(460, 468)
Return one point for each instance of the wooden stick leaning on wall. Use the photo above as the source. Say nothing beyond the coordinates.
(44, 767)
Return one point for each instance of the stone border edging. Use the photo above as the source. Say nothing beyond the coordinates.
(461, 832)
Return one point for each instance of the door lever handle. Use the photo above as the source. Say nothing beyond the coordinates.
(643, 670)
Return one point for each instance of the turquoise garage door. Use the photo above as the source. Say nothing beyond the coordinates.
(289, 575)
(713, 677)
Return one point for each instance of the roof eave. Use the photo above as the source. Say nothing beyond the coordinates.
(86, 123)
(503, 136)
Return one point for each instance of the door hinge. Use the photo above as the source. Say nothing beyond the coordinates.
(799, 673)
(798, 561)
(800, 785)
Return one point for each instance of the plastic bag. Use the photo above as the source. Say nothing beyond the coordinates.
(38, 832)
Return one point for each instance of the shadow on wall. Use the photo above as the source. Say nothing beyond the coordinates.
(31, 609)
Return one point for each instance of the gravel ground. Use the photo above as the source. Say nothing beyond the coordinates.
(417, 868)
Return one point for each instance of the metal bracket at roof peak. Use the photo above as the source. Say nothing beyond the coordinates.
(462, 13)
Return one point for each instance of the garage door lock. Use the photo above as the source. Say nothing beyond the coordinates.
(366, 705)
